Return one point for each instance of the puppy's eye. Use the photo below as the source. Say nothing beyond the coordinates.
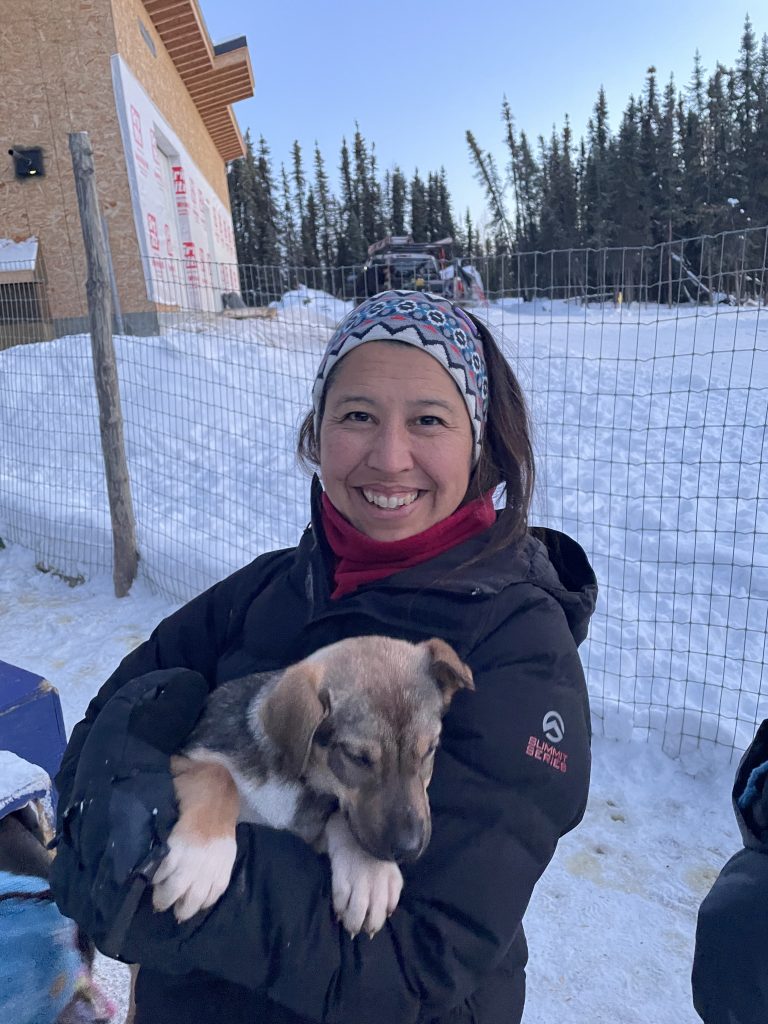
(429, 754)
(356, 757)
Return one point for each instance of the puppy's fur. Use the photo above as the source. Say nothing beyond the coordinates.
(338, 749)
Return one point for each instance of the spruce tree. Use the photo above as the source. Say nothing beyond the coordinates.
(513, 169)
(595, 185)
(720, 181)
(529, 190)
(360, 180)
(487, 174)
(432, 216)
(446, 228)
(628, 189)
(289, 233)
(309, 231)
(325, 212)
(242, 191)
(373, 219)
(347, 188)
(399, 201)
(418, 197)
(354, 245)
(694, 150)
(299, 181)
(386, 203)
(469, 244)
(266, 248)
(649, 116)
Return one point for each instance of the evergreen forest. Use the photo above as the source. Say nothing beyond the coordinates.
(675, 164)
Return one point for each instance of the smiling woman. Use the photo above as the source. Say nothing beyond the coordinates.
(416, 420)
(395, 441)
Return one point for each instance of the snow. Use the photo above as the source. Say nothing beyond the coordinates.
(19, 779)
(318, 304)
(18, 255)
(658, 474)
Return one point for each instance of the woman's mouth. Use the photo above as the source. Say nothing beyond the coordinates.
(389, 500)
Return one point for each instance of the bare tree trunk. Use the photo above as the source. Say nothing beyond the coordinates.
(105, 367)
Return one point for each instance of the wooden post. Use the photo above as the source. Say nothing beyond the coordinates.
(105, 367)
(669, 264)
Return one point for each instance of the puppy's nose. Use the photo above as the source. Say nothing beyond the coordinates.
(409, 841)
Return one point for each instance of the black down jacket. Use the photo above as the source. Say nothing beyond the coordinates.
(511, 777)
(730, 966)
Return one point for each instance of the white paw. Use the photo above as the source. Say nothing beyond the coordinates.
(365, 890)
(193, 875)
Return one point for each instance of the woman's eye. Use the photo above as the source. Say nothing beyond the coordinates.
(430, 421)
(357, 416)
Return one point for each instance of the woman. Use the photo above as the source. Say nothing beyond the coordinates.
(416, 419)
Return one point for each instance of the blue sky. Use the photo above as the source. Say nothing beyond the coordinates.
(416, 77)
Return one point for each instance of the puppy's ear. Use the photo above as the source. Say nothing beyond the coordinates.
(294, 710)
(447, 669)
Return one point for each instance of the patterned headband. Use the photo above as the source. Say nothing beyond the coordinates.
(427, 321)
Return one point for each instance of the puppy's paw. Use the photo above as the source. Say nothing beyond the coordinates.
(193, 876)
(365, 890)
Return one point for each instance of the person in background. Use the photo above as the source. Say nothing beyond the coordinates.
(730, 965)
(416, 420)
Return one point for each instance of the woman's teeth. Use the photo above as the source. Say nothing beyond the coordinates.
(390, 501)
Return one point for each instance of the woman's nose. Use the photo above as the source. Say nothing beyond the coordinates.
(390, 450)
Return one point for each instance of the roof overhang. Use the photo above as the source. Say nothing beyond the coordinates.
(215, 76)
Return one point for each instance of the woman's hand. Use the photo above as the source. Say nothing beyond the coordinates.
(122, 808)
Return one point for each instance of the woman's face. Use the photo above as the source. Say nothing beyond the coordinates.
(395, 441)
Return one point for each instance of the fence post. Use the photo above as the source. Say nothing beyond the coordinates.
(105, 366)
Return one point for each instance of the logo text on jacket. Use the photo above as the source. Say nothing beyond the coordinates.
(547, 753)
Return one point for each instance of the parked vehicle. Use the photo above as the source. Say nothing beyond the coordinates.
(398, 262)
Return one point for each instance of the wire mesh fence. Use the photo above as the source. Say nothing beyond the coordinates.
(647, 375)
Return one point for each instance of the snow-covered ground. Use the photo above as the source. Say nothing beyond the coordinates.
(650, 433)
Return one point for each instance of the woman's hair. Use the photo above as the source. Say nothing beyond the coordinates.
(506, 454)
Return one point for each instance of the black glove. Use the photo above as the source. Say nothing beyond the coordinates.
(171, 703)
(122, 806)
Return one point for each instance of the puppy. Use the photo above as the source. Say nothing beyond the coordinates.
(338, 749)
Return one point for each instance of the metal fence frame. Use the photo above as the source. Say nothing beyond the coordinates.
(650, 419)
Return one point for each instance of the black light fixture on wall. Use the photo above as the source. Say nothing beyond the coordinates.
(27, 163)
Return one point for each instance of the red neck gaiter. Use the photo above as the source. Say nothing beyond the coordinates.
(360, 559)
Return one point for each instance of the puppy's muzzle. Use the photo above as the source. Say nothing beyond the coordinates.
(408, 837)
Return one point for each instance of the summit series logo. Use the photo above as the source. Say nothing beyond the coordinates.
(553, 726)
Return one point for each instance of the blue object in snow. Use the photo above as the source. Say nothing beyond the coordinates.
(39, 961)
(31, 722)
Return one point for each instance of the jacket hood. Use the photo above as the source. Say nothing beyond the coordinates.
(545, 558)
(750, 799)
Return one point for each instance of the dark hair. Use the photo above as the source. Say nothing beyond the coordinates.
(506, 452)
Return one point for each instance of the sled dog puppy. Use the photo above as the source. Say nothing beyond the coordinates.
(338, 749)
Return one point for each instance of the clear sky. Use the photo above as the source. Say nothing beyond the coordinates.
(416, 76)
